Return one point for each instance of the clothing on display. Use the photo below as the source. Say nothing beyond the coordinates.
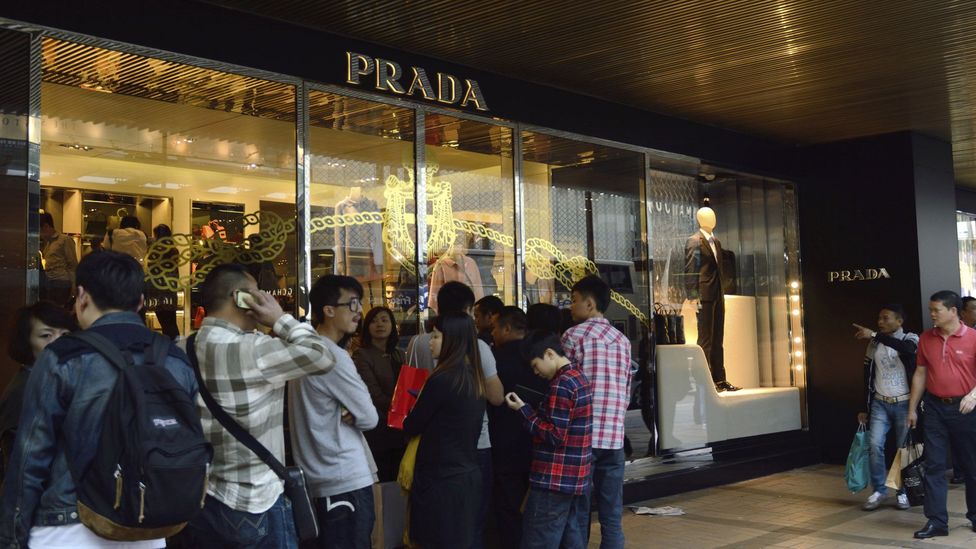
(358, 247)
(459, 268)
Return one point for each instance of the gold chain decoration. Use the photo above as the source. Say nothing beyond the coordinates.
(542, 258)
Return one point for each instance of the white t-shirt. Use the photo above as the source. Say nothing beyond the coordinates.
(889, 372)
(78, 536)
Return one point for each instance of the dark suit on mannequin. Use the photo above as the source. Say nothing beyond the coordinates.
(703, 281)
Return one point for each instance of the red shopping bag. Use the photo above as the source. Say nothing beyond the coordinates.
(408, 386)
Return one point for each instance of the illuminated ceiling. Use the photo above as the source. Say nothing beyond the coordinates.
(798, 71)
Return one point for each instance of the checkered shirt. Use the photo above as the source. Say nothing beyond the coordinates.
(603, 354)
(246, 373)
(561, 434)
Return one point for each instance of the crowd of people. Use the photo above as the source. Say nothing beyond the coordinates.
(520, 421)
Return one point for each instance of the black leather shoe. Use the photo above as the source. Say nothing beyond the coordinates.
(958, 480)
(725, 386)
(931, 531)
(973, 524)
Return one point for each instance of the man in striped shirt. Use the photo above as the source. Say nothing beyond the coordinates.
(561, 431)
(246, 372)
(603, 354)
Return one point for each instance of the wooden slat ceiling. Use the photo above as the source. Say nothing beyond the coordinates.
(798, 71)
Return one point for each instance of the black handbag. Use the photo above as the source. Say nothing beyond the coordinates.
(669, 325)
(913, 474)
(306, 524)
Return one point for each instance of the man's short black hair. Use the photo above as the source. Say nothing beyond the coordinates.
(543, 316)
(454, 297)
(949, 299)
(326, 291)
(895, 308)
(46, 219)
(220, 284)
(113, 280)
(535, 344)
(512, 317)
(593, 286)
(130, 222)
(966, 300)
(490, 304)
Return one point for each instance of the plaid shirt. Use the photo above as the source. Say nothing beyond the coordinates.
(603, 353)
(561, 434)
(246, 373)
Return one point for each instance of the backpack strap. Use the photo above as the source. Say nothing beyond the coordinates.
(159, 350)
(104, 346)
(234, 428)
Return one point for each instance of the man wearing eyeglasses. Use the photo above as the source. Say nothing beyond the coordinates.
(327, 416)
(246, 371)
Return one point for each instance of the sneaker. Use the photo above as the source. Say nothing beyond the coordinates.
(902, 502)
(873, 502)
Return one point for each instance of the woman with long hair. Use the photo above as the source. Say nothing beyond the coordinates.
(34, 328)
(378, 361)
(448, 416)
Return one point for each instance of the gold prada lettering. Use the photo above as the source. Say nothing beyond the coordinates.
(472, 94)
(387, 73)
(422, 83)
(363, 64)
(447, 86)
(855, 275)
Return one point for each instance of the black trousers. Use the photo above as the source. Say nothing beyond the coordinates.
(944, 424)
(508, 493)
(711, 335)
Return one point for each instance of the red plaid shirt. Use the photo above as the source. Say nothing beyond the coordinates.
(603, 353)
(561, 434)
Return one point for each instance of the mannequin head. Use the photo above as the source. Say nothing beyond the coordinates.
(356, 193)
(706, 218)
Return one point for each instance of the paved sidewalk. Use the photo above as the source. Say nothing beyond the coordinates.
(808, 507)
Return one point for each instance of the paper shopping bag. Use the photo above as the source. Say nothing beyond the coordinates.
(408, 386)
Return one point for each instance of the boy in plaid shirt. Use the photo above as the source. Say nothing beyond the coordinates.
(561, 432)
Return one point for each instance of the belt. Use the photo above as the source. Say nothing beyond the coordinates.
(893, 400)
(947, 400)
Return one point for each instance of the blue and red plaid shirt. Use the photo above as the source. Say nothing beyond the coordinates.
(561, 434)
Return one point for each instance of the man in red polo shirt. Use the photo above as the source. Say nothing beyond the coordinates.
(945, 378)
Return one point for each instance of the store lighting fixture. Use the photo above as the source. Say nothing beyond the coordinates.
(798, 367)
(76, 146)
(94, 86)
(797, 340)
(796, 312)
(794, 284)
(227, 190)
(101, 180)
(798, 353)
(795, 297)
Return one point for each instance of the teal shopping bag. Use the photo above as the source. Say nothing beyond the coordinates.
(858, 470)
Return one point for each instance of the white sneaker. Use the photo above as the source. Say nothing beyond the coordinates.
(874, 501)
(902, 502)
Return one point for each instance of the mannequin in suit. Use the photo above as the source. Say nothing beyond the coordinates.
(703, 283)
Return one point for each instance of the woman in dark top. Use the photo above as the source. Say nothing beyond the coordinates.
(448, 415)
(33, 329)
(378, 361)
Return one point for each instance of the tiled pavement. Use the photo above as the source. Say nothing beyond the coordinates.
(808, 507)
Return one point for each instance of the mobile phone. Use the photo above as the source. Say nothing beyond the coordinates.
(242, 299)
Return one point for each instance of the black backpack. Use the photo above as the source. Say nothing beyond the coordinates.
(149, 474)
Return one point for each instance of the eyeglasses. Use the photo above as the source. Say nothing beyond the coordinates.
(354, 304)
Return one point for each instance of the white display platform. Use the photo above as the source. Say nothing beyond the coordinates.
(692, 413)
(741, 341)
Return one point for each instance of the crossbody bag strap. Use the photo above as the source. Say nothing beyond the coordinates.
(234, 428)
(105, 347)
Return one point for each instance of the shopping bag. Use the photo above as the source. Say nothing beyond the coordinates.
(405, 480)
(913, 475)
(408, 386)
(858, 469)
(902, 460)
(669, 325)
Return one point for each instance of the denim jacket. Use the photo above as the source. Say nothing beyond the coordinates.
(60, 424)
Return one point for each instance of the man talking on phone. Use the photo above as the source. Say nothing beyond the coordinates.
(246, 372)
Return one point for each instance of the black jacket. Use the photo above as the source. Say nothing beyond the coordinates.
(905, 343)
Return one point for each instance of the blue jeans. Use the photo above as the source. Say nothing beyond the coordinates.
(219, 526)
(944, 423)
(346, 520)
(608, 493)
(553, 519)
(884, 416)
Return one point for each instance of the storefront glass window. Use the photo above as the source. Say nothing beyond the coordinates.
(741, 309)
(966, 231)
(209, 154)
(470, 207)
(583, 216)
(362, 199)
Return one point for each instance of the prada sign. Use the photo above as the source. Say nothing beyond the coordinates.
(388, 76)
(858, 274)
